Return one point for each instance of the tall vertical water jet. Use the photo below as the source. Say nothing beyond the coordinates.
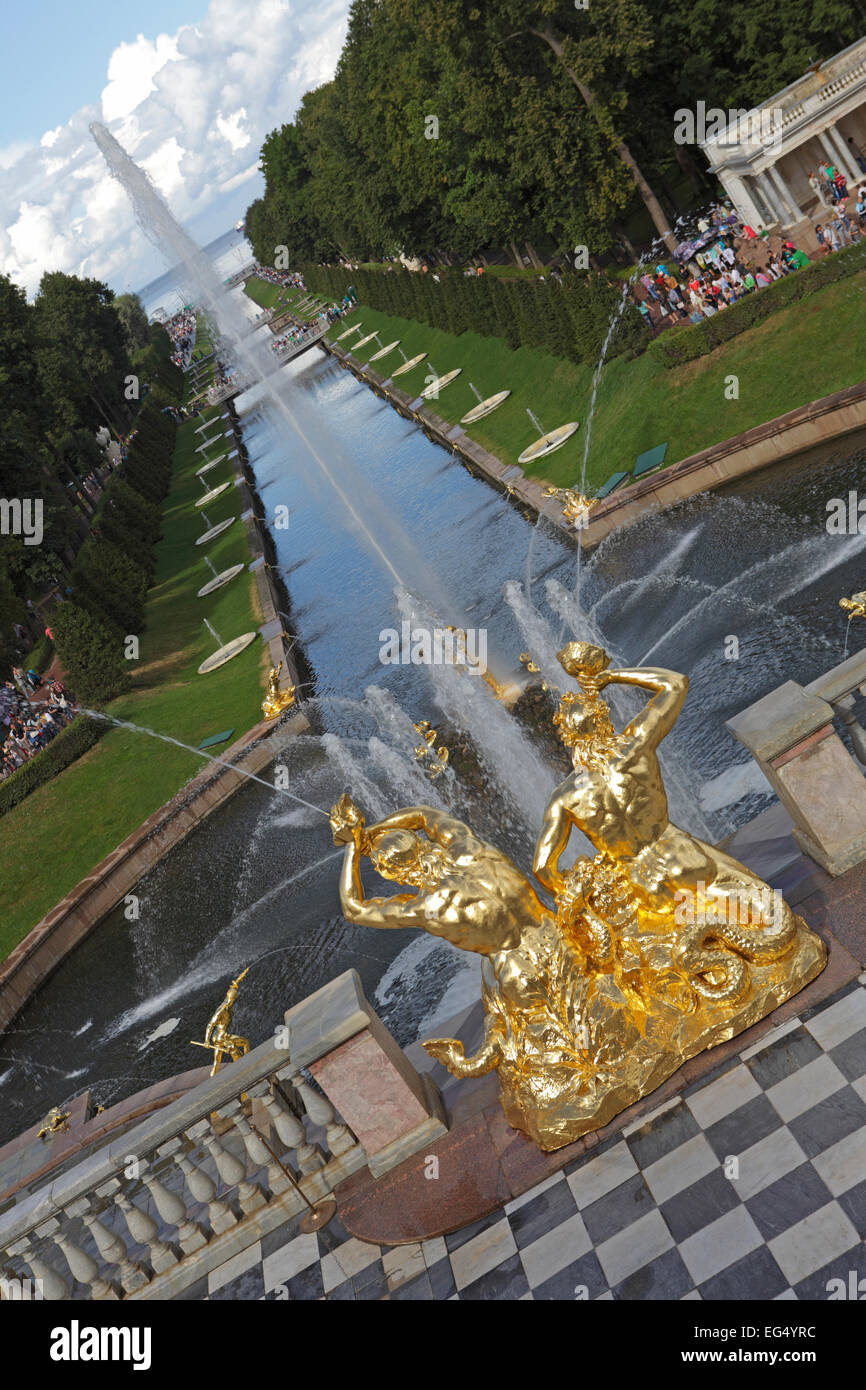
(363, 509)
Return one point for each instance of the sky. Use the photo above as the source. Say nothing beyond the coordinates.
(189, 88)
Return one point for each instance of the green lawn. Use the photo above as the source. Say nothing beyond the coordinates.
(268, 296)
(54, 837)
(808, 350)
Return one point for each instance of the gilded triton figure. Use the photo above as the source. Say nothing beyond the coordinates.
(657, 947)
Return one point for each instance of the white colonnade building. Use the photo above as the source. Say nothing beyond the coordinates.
(763, 158)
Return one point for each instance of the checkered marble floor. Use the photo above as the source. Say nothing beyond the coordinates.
(749, 1186)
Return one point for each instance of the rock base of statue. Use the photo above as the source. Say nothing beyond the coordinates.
(601, 1035)
(271, 707)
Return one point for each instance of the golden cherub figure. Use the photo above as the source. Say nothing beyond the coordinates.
(217, 1035)
(277, 700)
(576, 506)
(855, 605)
(55, 1122)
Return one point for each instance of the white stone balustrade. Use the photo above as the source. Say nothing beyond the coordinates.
(193, 1183)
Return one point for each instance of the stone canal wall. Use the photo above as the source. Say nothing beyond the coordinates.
(81, 910)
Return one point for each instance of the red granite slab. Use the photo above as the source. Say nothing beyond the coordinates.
(406, 1205)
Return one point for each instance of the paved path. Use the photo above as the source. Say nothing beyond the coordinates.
(659, 1212)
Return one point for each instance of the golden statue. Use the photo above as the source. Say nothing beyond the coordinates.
(658, 947)
(217, 1036)
(855, 605)
(55, 1122)
(433, 759)
(576, 506)
(277, 700)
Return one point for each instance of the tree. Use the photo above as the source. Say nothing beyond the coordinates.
(136, 329)
(81, 353)
(91, 654)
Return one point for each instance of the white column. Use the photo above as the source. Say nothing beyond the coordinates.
(786, 198)
(741, 198)
(772, 196)
(831, 154)
(845, 159)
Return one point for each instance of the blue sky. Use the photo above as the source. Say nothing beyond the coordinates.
(190, 88)
(68, 44)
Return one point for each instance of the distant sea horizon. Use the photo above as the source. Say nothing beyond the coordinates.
(169, 291)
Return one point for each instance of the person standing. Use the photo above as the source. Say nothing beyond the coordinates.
(817, 188)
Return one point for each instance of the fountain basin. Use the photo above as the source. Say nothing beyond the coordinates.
(206, 467)
(385, 350)
(215, 531)
(227, 652)
(484, 407)
(440, 383)
(407, 366)
(224, 577)
(549, 443)
(214, 492)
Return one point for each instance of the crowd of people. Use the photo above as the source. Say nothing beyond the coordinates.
(181, 329)
(30, 725)
(735, 260)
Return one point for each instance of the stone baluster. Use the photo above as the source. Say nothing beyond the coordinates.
(321, 1112)
(234, 1174)
(82, 1266)
(113, 1250)
(291, 1129)
(277, 1180)
(51, 1285)
(287, 1127)
(204, 1189)
(172, 1207)
(844, 707)
(144, 1231)
(310, 1156)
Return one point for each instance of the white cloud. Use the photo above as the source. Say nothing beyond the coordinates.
(192, 108)
(131, 70)
(229, 128)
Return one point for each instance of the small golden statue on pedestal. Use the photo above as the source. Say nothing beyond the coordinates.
(277, 700)
(657, 947)
(55, 1122)
(217, 1036)
(575, 505)
(855, 605)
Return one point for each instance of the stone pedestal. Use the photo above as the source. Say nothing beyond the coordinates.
(392, 1110)
(790, 734)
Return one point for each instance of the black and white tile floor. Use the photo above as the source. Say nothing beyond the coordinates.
(749, 1186)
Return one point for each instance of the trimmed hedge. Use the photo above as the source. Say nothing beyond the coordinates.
(66, 748)
(570, 318)
(90, 648)
(40, 657)
(678, 345)
(114, 568)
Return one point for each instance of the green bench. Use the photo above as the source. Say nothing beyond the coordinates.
(653, 458)
(613, 482)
